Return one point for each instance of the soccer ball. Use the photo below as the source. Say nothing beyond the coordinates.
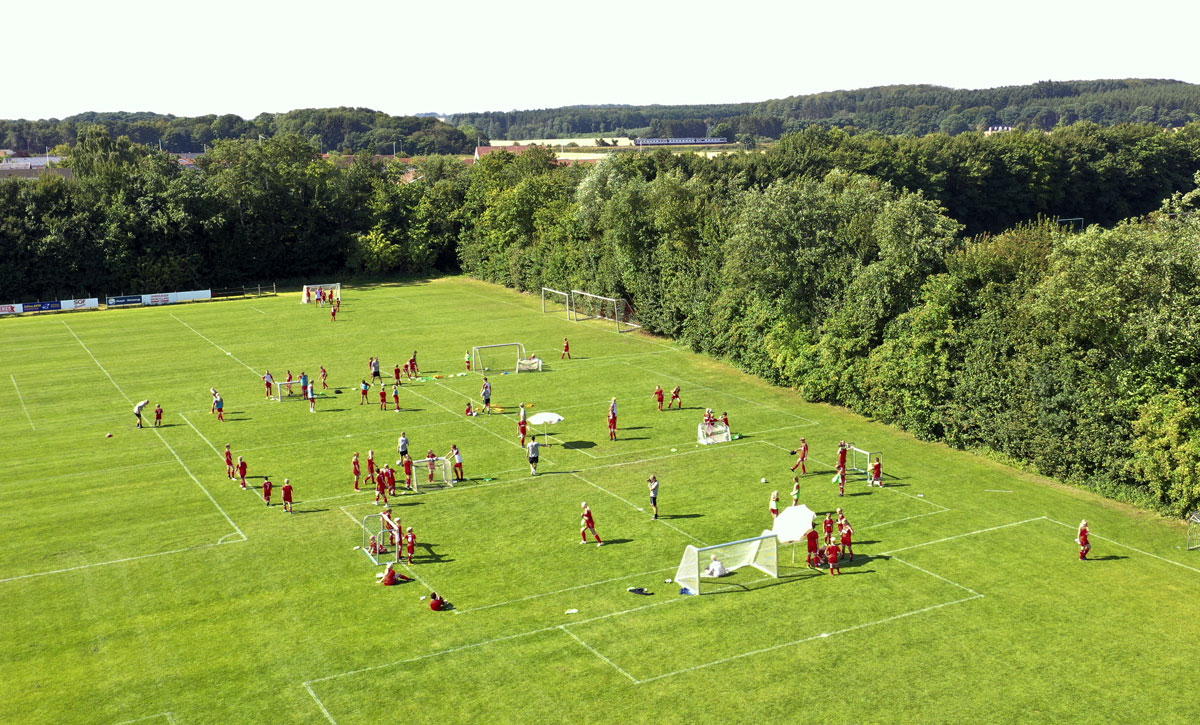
(108, 436)
(764, 479)
(487, 370)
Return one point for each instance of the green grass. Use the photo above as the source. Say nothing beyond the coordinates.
(136, 580)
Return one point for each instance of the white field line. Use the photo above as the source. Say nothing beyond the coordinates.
(214, 344)
(959, 536)
(722, 392)
(472, 421)
(567, 589)
(22, 399)
(1126, 546)
(935, 576)
(595, 652)
(122, 561)
(806, 639)
(906, 518)
(206, 440)
(319, 703)
(159, 434)
(995, 490)
(167, 715)
(257, 310)
(635, 507)
(400, 562)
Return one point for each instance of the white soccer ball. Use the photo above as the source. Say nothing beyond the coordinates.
(764, 479)
(666, 581)
(487, 370)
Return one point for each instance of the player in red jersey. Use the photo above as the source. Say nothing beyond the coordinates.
(241, 471)
(333, 313)
(813, 546)
(828, 524)
(324, 375)
(269, 382)
(840, 477)
(357, 470)
(848, 541)
(389, 525)
(307, 296)
(566, 350)
(408, 476)
(412, 364)
(410, 543)
(612, 420)
(396, 396)
(831, 553)
(842, 523)
(1085, 544)
(396, 373)
(382, 397)
(287, 495)
(775, 505)
(267, 486)
(801, 454)
(374, 547)
(725, 421)
(876, 473)
(658, 396)
(158, 411)
(455, 457)
(431, 461)
(842, 450)
(371, 466)
(228, 462)
(391, 577)
(381, 488)
(288, 383)
(588, 524)
(675, 398)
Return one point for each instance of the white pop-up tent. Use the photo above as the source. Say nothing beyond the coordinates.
(542, 420)
(792, 524)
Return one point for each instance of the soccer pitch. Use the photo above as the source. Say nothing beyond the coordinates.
(139, 583)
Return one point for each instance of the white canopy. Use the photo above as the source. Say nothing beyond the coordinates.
(545, 418)
(793, 523)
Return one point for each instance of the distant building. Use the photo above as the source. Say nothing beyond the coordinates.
(28, 162)
(996, 129)
(19, 171)
(481, 151)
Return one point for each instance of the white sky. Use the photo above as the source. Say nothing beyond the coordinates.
(410, 56)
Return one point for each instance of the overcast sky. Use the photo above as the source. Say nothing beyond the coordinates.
(405, 56)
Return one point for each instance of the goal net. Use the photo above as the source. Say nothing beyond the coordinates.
(760, 552)
(504, 356)
(294, 390)
(421, 469)
(386, 532)
(587, 306)
(556, 302)
(860, 460)
(1193, 522)
(715, 433)
(331, 290)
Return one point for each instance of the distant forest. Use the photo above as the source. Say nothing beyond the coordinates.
(913, 110)
(348, 130)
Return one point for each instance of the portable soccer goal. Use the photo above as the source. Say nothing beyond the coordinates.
(441, 474)
(333, 290)
(715, 433)
(502, 357)
(556, 302)
(280, 392)
(587, 306)
(760, 552)
(860, 460)
(384, 528)
(1193, 522)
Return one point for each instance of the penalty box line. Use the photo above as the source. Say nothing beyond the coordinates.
(169, 716)
(210, 342)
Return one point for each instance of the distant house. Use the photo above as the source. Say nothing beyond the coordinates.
(996, 129)
(28, 162)
(23, 171)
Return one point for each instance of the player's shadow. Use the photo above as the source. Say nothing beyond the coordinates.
(577, 445)
(329, 410)
(680, 516)
(430, 556)
(1110, 557)
(637, 427)
(859, 493)
(398, 500)
(309, 511)
(864, 543)
(614, 542)
(634, 438)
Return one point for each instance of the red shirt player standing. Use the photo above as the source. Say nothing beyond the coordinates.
(612, 420)
(658, 395)
(876, 473)
(396, 373)
(1085, 544)
(380, 487)
(848, 541)
(566, 350)
(831, 552)
(287, 495)
(158, 411)
(371, 466)
(241, 470)
(813, 546)
(228, 462)
(382, 397)
(828, 528)
(357, 470)
(675, 398)
(410, 543)
(408, 478)
(267, 486)
(801, 454)
(588, 524)
(324, 374)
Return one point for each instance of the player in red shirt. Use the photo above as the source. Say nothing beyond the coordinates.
(842, 450)
(658, 395)
(412, 364)
(381, 488)
(813, 546)
(371, 466)
(802, 457)
(841, 479)
(389, 525)
(158, 411)
(396, 373)
(842, 523)
(267, 486)
(675, 399)
(612, 420)
(775, 505)
(287, 495)
(324, 374)
(241, 470)
(588, 524)
(831, 553)
(357, 470)
(391, 577)
(374, 547)
(566, 350)
(269, 382)
(288, 383)
(876, 473)
(333, 313)
(725, 421)
(408, 475)
(396, 397)
(410, 543)
(382, 397)
(1084, 542)
(228, 462)
(431, 461)
(828, 528)
(848, 541)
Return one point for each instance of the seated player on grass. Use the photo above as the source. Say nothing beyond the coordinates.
(438, 604)
(391, 577)
(715, 568)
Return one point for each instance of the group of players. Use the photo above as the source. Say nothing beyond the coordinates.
(237, 472)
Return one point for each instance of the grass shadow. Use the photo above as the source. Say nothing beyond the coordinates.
(308, 511)
(680, 516)
(577, 445)
(615, 542)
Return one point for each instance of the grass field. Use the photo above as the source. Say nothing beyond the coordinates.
(137, 583)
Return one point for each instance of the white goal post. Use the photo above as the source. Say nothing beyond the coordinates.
(441, 474)
(586, 306)
(760, 552)
(333, 290)
(297, 392)
(1193, 520)
(860, 460)
(715, 433)
(480, 360)
(384, 528)
(556, 302)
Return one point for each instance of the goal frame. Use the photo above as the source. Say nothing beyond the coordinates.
(441, 475)
(620, 312)
(1193, 523)
(566, 301)
(475, 357)
(279, 396)
(862, 456)
(709, 434)
(334, 287)
(372, 525)
(693, 561)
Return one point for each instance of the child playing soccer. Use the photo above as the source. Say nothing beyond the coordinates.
(795, 490)
(228, 462)
(658, 396)
(828, 524)
(588, 524)
(357, 470)
(410, 543)
(287, 495)
(396, 396)
(158, 411)
(675, 399)
(802, 457)
(267, 486)
(775, 505)
(241, 470)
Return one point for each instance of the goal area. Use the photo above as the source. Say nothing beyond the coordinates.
(1193, 523)
(441, 474)
(860, 460)
(386, 531)
(500, 357)
(760, 552)
(332, 290)
(587, 306)
(715, 433)
(556, 302)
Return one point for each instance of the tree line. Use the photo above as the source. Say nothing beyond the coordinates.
(824, 265)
